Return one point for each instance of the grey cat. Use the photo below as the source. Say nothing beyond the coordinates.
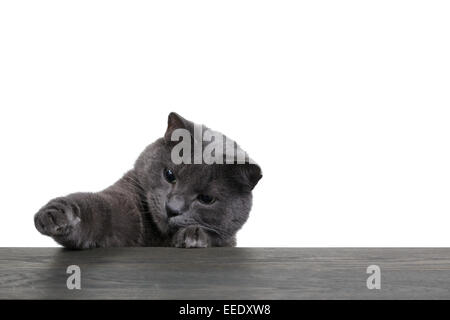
(157, 203)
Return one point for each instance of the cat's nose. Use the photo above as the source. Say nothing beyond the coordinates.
(174, 206)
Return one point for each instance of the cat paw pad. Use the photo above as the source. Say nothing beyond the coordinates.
(191, 237)
(57, 218)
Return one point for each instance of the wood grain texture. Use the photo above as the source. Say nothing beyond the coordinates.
(225, 273)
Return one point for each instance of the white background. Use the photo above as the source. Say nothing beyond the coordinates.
(345, 105)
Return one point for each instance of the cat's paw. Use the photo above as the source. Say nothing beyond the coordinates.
(57, 218)
(191, 237)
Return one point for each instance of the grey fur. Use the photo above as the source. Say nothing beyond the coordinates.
(133, 211)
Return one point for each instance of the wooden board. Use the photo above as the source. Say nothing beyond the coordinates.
(225, 273)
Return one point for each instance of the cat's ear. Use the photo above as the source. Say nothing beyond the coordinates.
(174, 122)
(250, 174)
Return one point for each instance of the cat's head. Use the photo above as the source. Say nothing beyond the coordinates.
(211, 187)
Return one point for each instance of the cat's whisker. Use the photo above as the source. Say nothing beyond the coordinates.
(217, 230)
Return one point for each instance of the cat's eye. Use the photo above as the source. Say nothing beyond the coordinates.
(205, 199)
(170, 176)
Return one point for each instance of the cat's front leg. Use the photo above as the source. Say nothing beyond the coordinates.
(191, 237)
(89, 220)
(59, 219)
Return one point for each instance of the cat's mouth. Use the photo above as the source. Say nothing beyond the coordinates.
(180, 221)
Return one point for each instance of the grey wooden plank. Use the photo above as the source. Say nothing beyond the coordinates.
(225, 273)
